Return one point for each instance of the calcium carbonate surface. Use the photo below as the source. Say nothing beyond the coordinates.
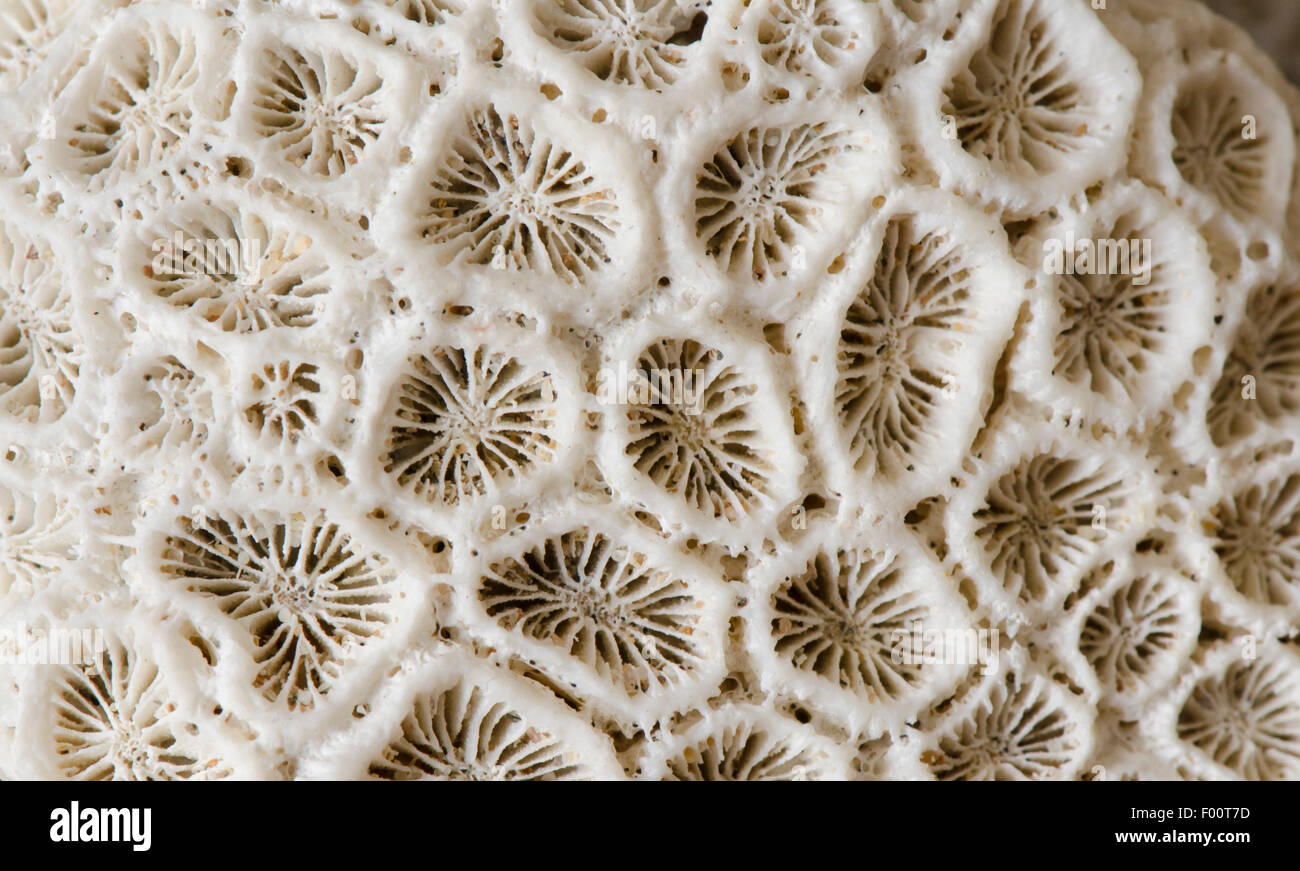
(746, 389)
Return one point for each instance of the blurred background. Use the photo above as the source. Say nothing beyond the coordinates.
(1275, 24)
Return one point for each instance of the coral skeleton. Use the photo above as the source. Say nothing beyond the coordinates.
(647, 389)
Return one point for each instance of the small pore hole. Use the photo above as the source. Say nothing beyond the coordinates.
(692, 33)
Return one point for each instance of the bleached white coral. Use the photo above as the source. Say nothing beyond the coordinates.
(1125, 289)
(114, 705)
(653, 389)
(129, 114)
(845, 625)
(39, 350)
(695, 430)
(465, 417)
(918, 322)
(1032, 525)
(230, 265)
(320, 105)
(1241, 714)
(460, 735)
(1214, 151)
(36, 539)
(742, 743)
(450, 717)
(305, 593)
(1255, 532)
(426, 12)
(759, 199)
(506, 198)
(112, 723)
(1038, 98)
(27, 29)
(1021, 727)
(812, 37)
(1137, 630)
(643, 43)
(1261, 370)
(473, 413)
(606, 607)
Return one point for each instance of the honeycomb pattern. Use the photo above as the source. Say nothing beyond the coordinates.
(647, 389)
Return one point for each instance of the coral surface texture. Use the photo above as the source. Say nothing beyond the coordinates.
(647, 389)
